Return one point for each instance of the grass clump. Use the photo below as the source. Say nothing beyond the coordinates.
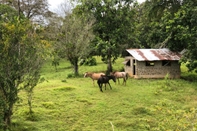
(48, 105)
(84, 101)
(141, 110)
(64, 80)
(64, 89)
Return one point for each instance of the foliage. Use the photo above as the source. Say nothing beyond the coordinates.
(21, 58)
(74, 38)
(182, 27)
(35, 10)
(157, 8)
(191, 76)
(91, 61)
(170, 24)
(113, 27)
(55, 60)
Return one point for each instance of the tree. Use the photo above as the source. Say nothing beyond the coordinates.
(51, 29)
(183, 29)
(172, 24)
(74, 38)
(143, 26)
(151, 32)
(35, 10)
(113, 27)
(20, 54)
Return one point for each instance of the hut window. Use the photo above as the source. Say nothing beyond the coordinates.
(128, 63)
(150, 63)
(166, 63)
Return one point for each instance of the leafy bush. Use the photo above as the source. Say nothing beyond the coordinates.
(89, 61)
(64, 81)
(70, 75)
(189, 76)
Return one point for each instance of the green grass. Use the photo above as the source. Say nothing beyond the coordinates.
(74, 104)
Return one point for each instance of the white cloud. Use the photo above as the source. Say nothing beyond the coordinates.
(54, 4)
(140, 1)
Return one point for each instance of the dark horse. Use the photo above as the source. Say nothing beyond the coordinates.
(105, 79)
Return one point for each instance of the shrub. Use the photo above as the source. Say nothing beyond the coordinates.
(70, 75)
(189, 76)
(89, 61)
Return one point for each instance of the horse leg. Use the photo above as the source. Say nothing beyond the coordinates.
(100, 86)
(105, 86)
(124, 81)
(118, 81)
(109, 85)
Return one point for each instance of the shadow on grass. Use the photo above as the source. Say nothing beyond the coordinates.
(23, 126)
(64, 89)
(60, 69)
(26, 125)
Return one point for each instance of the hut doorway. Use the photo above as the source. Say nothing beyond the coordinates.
(134, 68)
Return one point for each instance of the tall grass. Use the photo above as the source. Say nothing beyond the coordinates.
(74, 104)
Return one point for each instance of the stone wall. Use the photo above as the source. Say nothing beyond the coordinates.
(141, 70)
(157, 71)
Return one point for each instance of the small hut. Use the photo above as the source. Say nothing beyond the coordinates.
(152, 63)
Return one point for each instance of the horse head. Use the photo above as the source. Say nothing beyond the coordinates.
(113, 78)
(111, 73)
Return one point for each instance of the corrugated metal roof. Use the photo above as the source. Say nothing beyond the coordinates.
(154, 54)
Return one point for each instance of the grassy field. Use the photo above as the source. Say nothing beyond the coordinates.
(74, 104)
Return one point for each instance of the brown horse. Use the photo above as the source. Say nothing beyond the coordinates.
(118, 75)
(94, 76)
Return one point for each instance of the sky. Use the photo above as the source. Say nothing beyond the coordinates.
(55, 3)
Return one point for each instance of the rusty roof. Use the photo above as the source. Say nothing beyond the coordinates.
(154, 54)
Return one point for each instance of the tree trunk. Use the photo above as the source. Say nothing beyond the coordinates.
(76, 72)
(109, 66)
(7, 118)
(30, 101)
(74, 63)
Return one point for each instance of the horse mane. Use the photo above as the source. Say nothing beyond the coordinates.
(113, 72)
(90, 73)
